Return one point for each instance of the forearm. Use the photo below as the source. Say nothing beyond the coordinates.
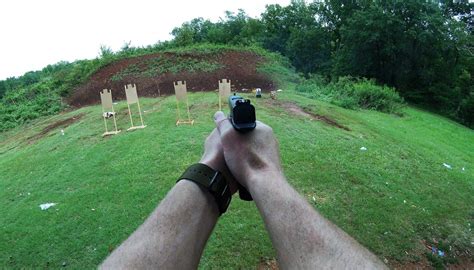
(303, 238)
(173, 236)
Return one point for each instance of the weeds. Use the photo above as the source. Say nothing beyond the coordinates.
(352, 93)
(165, 64)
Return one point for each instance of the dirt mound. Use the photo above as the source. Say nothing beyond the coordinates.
(154, 74)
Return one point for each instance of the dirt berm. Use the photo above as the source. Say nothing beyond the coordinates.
(154, 74)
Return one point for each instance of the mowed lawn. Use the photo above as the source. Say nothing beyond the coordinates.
(393, 197)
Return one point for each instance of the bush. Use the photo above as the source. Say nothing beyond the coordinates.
(375, 97)
(352, 93)
(20, 106)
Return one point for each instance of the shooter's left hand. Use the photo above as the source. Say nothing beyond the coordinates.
(214, 157)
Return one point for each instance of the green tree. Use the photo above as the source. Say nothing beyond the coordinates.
(309, 50)
(3, 89)
(406, 44)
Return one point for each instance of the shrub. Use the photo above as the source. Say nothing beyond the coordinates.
(20, 106)
(352, 93)
(380, 98)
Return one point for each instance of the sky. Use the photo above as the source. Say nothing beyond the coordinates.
(35, 33)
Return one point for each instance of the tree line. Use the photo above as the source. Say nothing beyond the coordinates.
(425, 49)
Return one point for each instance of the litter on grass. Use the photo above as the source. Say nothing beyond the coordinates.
(438, 252)
(447, 166)
(363, 148)
(434, 250)
(45, 206)
(62, 131)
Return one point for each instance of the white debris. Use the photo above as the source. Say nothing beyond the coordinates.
(404, 201)
(447, 166)
(115, 103)
(462, 169)
(363, 148)
(62, 132)
(314, 199)
(107, 115)
(279, 90)
(45, 206)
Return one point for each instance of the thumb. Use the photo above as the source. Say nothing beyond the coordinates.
(222, 122)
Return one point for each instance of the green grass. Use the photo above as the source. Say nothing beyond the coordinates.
(389, 197)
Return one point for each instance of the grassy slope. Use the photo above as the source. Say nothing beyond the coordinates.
(106, 187)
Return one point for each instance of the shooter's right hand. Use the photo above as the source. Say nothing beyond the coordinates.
(249, 156)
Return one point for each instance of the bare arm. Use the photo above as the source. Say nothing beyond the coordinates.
(175, 234)
(302, 238)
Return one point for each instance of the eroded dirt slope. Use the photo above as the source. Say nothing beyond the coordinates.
(152, 80)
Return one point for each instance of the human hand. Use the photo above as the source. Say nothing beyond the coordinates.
(248, 155)
(214, 157)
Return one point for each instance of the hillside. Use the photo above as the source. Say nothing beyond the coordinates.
(155, 74)
(395, 198)
(153, 69)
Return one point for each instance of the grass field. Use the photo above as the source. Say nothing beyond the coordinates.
(390, 197)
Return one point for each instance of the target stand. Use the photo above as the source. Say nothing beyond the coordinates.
(224, 91)
(108, 107)
(182, 97)
(132, 98)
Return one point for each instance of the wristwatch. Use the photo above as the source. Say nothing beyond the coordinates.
(212, 181)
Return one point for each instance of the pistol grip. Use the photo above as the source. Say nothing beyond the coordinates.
(244, 194)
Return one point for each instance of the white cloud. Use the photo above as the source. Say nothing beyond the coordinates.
(37, 33)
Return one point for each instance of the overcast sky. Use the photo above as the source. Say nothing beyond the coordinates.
(35, 33)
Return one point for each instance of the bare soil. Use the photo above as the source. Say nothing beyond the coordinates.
(238, 66)
(62, 123)
(297, 110)
(268, 264)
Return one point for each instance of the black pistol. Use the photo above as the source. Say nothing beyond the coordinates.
(242, 117)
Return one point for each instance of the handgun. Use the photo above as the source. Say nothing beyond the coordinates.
(242, 117)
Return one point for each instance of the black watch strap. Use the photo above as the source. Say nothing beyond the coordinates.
(211, 180)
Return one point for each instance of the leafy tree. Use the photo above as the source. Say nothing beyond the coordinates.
(309, 49)
(463, 10)
(3, 89)
(407, 44)
(334, 14)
